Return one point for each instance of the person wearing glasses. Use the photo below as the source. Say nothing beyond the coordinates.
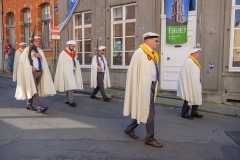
(18, 53)
(68, 75)
(141, 88)
(100, 79)
(33, 77)
(189, 85)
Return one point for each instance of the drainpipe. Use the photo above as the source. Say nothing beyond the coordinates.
(53, 25)
(2, 33)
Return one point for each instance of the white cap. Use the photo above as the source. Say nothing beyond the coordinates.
(194, 50)
(22, 43)
(37, 37)
(101, 48)
(150, 35)
(71, 42)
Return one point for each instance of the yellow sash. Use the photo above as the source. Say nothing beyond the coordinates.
(20, 50)
(153, 56)
(196, 61)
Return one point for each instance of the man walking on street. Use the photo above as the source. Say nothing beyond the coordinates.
(100, 79)
(18, 53)
(189, 85)
(68, 75)
(33, 77)
(141, 87)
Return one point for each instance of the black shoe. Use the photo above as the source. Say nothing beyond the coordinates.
(107, 99)
(42, 109)
(73, 104)
(187, 117)
(197, 116)
(30, 107)
(95, 97)
(66, 102)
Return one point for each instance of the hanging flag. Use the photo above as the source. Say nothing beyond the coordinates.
(176, 21)
(73, 5)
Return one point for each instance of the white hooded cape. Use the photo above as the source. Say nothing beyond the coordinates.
(25, 83)
(106, 80)
(16, 61)
(189, 85)
(66, 78)
(138, 87)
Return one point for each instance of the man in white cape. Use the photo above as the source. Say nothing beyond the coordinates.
(33, 77)
(68, 75)
(189, 85)
(18, 53)
(141, 87)
(100, 79)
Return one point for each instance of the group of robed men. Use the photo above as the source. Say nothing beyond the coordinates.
(34, 80)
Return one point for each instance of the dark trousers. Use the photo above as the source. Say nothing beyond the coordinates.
(37, 77)
(150, 120)
(69, 96)
(186, 107)
(100, 85)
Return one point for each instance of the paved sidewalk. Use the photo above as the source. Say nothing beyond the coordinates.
(163, 100)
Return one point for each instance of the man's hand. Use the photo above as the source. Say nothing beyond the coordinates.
(99, 69)
(37, 55)
(34, 70)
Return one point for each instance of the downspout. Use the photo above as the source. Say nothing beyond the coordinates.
(3, 57)
(53, 25)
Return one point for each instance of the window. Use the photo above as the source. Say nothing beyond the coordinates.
(27, 24)
(123, 39)
(46, 28)
(234, 59)
(11, 29)
(82, 34)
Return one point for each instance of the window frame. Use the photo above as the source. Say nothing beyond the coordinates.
(46, 44)
(123, 22)
(11, 31)
(82, 40)
(232, 35)
(27, 25)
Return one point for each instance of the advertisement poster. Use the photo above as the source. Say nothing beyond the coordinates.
(176, 21)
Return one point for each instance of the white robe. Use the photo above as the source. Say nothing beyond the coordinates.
(189, 85)
(25, 83)
(66, 78)
(15, 66)
(106, 80)
(138, 87)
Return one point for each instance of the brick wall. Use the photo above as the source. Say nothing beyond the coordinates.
(17, 7)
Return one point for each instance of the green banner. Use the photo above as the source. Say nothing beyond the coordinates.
(176, 21)
(176, 34)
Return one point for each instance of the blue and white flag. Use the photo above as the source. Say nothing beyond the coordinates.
(73, 5)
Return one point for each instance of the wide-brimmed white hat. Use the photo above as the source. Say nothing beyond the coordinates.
(150, 35)
(71, 42)
(22, 44)
(194, 50)
(101, 48)
(37, 37)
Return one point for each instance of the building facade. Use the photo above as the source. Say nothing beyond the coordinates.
(21, 16)
(118, 24)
